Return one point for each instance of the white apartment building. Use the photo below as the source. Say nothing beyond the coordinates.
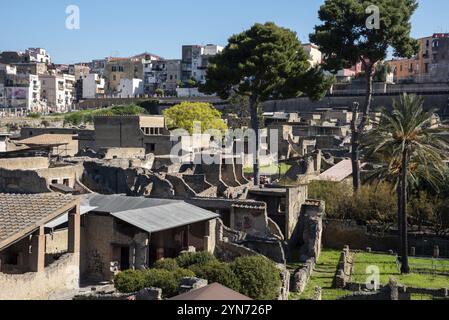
(58, 91)
(130, 88)
(38, 55)
(212, 49)
(19, 92)
(93, 86)
(315, 55)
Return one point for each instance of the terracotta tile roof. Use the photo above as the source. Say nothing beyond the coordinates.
(48, 139)
(23, 214)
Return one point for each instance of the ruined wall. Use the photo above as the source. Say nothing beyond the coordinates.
(338, 233)
(108, 179)
(180, 187)
(70, 173)
(101, 236)
(296, 198)
(22, 182)
(123, 153)
(24, 163)
(252, 220)
(311, 229)
(38, 181)
(60, 277)
(57, 242)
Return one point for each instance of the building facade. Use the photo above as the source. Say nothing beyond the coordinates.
(431, 64)
(58, 91)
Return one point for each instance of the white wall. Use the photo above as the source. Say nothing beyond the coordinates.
(130, 87)
(91, 85)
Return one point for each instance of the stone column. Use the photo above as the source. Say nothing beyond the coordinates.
(74, 230)
(37, 252)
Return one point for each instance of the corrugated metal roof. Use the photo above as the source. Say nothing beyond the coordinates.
(151, 215)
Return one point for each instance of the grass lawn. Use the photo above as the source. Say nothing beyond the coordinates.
(389, 268)
(270, 170)
(323, 277)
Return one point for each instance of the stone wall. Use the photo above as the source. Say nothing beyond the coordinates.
(38, 181)
(60, 277)
(302, 276)
(345, 268)
(338, 233)
(24, 163)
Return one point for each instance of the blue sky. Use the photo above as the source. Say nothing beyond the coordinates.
(123, 28)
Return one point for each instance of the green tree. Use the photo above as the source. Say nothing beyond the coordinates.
(258, 276)
(217, 272)
(414, 151)
(345, 40)
(159, 92)
(129, 281)
(382, 71)
(185, 114)
(265, 62)
(188, 259)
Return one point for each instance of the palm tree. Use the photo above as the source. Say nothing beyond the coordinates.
(411, 151)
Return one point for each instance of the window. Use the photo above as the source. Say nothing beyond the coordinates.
(150, 147)
(54, 181)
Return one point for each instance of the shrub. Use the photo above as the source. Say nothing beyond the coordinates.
(166, 264)
(183, 273)
(162, 279)
(372, 203)
(217, 272)
(129, 281)
(259, 278)
(34, 115)
(189, 259)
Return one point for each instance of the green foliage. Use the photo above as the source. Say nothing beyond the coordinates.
(382, 71)
(264, 62)
(376, 203)
(180, 273)
(185, 114)
(166, 264)
(159, 92)
(344, 39)
(12, 127)
(217, 272)
(129, 281)
(34, 115)
(195, 258)
(87, 116)
(259, 278)
(163, 279)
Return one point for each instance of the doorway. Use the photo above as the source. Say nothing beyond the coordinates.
(124, 258)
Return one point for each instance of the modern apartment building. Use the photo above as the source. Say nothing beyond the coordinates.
(126, 68)
(93, 86)
(38, 55)
(431, 64)
(162, 74)
(58, 91)
(195, 59)
(19, 92)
